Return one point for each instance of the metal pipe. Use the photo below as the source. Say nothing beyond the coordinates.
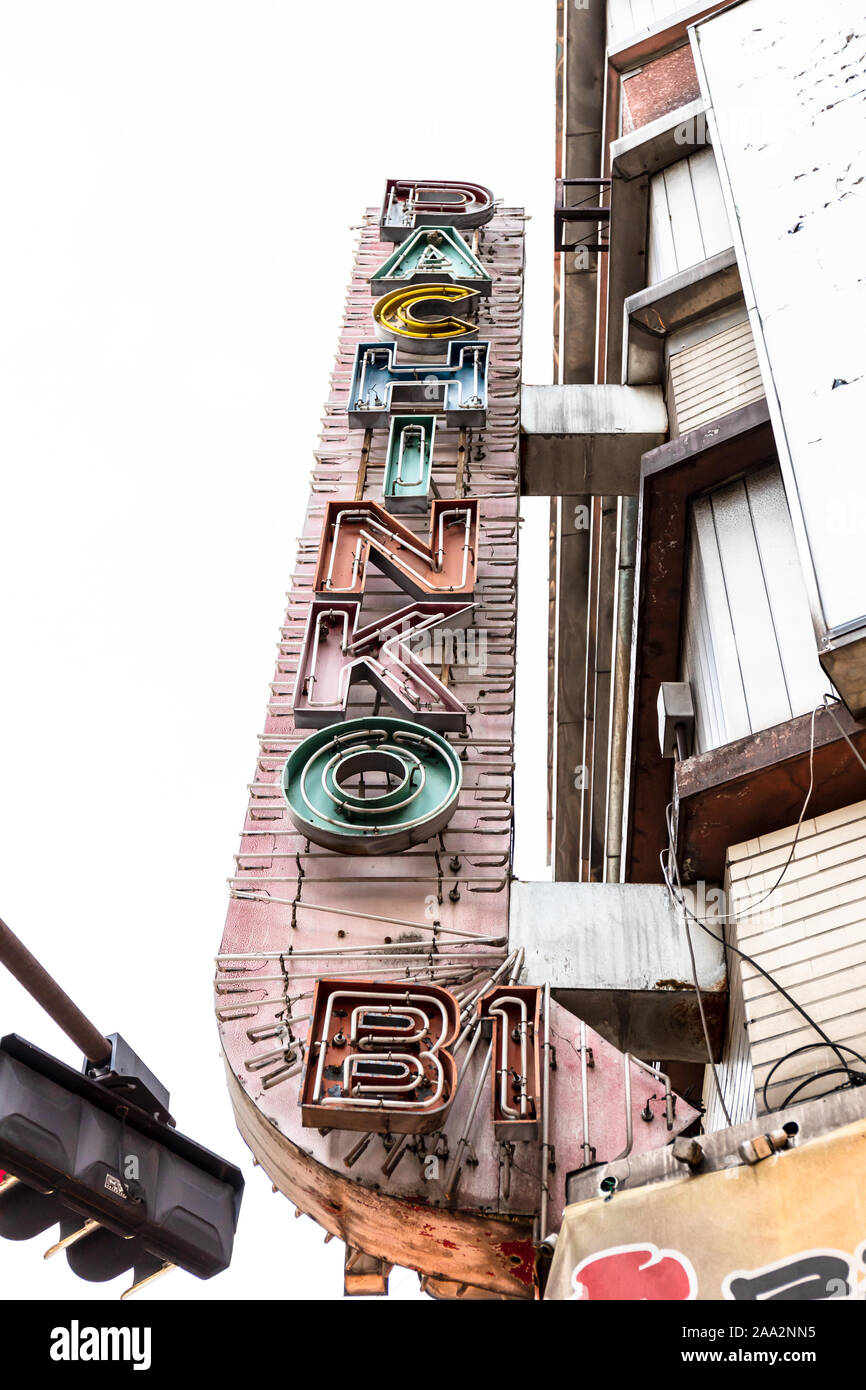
(55, 1001)
(629, 1122)
(456, 1166)
(362, 464)
(476, 1038)
(584, 1090)
(619, 697)
(545, 1119)
(659, 1075)
(396, 1154)
(341, 911)
(570, 687)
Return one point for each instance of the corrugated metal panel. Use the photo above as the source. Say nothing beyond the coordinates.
(713, 378)
(734, 1071)
(748, 647)
(700, 659)
(811, 935)
(626, 18)
(688, 222)
(661, 254)
(708, 614)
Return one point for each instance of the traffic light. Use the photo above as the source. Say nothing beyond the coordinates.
(96, 1153)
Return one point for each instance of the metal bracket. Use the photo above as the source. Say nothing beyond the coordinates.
(595, 214)
(126, 1076)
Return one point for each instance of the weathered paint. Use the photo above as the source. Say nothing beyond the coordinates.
(409, 464)
(430, 255)
(790, 1226)
(358, 534)
(337, 651)
(443, 903)
(786, 88)
(411, 203)
(664, 85)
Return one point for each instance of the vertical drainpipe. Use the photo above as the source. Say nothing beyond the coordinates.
(620, 689)
(553, 522)
(581, 107)
(602, 677)
(622, 600)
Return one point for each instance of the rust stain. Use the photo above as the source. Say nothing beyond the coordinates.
(521, 1253)
(401, 1232)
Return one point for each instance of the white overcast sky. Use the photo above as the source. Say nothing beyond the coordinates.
(178, 182)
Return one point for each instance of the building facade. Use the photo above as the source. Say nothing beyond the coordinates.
(435, 1061)
(706, 687)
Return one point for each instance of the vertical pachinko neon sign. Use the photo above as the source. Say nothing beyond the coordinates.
(389, 1066)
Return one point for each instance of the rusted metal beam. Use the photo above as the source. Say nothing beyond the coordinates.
(486, 1251)
(759, 784)
(671, 475)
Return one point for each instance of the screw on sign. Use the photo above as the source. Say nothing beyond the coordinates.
(635, 1273)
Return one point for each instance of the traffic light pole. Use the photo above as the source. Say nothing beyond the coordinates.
(55, 1001)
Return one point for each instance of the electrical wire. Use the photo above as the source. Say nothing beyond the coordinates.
(699, 995)
(750, 960)
(816, 1076)
(795, 1052)
(738, 916)
(855, 1078)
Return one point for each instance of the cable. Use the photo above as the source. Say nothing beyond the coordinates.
(807, 1047)
(738, 916)
(700, 999)
(750, 960)
(710, 1058)
(680, 899)
(816, 1076)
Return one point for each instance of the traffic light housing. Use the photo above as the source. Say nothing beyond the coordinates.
(98, 1157)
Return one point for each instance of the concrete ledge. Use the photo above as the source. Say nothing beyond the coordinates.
(653, 147)
(588, 439)
(651, 314)
(616, 956)
(636, 158)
